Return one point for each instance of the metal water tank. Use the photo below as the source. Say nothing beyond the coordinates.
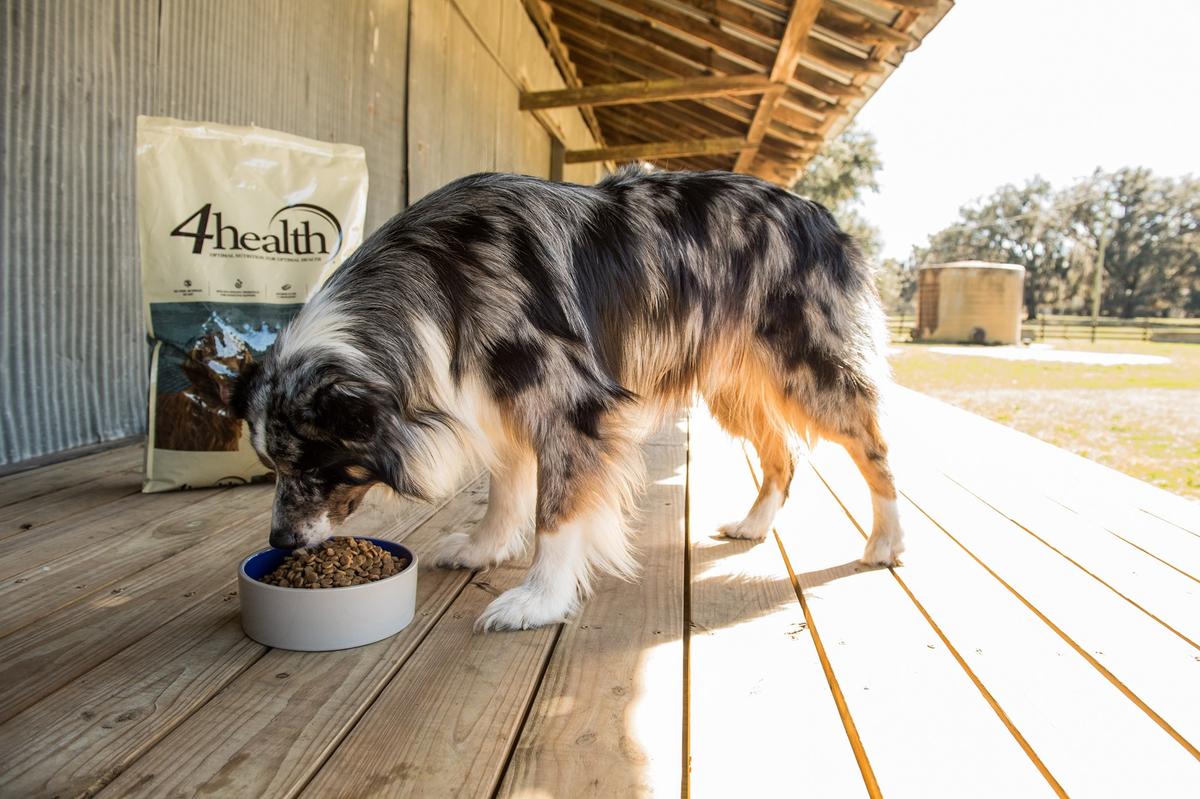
(970, 302)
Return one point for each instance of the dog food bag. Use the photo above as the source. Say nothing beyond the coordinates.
(237, 226)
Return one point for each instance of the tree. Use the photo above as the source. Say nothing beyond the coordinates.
(1150, 228)
(897, 284)
(837, 178)
(1015, 225)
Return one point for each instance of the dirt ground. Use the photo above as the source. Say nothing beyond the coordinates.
(1142, 419)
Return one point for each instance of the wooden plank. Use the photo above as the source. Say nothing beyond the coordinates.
(1086, 735)
(1154, 669)
(77, 739)
(791, 46)
(1056, 473)
(41, 545)
(1160, 539)
(1042, 479)
(19, 517)
(428, 74)
(660, 149)
(1172, 598)
(906, 5)
(584, 16)
(762, 714)
(844, 22)
(540, 14)
(754, 51)
(44, 587)
(608, 718)
(924, 725)
(825, 56)
(446, 722)
(466, 58)
(280, 718)
(646, 91)
(41, 658)
(46, 479)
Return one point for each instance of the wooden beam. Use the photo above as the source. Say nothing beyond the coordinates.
(647, 91)
(851, 25)
(541, 19)
(826, 55)
(679, 39)
(909, 5)
(803, 16)
(754, 51)
(662, 149)
(708, 116)
(623, 54)
(769, 27)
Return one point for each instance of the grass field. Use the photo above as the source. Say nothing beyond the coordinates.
(1141, 419)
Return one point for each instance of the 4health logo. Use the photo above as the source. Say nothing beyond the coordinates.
(299, 230)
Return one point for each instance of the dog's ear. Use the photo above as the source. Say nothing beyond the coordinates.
(347, 410)
(236, 394)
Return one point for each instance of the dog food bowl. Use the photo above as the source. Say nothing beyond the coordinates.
(322, 619)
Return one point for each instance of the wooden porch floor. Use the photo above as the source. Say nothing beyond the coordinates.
(1041, 638)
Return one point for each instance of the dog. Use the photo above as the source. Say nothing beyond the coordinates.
(198, 418)
(540, 329)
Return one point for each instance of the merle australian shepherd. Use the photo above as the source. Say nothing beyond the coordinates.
(539, 329)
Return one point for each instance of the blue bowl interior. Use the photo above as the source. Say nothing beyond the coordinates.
(260, 565)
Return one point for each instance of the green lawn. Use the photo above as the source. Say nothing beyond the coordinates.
(1141, 419)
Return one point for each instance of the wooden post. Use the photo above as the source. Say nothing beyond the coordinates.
(1098, 285)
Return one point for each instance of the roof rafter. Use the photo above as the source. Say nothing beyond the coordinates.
(799, 24)
(647, 91)
(662, 149)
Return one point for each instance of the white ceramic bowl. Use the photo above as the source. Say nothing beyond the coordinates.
(320, 619)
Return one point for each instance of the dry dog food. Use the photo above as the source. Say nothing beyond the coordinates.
(237, 226)
(337, 563)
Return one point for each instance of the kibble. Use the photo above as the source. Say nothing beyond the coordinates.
(337, 563)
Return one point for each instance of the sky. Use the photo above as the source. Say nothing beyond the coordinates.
(1002, 90)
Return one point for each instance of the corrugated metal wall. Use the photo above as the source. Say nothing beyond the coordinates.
(75, 75)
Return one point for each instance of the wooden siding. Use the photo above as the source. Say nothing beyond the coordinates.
(470, 60)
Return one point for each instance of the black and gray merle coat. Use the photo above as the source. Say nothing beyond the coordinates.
(540, 328)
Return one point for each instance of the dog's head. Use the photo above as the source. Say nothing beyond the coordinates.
(323, 431)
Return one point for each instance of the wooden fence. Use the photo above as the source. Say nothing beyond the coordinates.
(1081, 328)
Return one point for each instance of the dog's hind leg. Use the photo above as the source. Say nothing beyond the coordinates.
(751, 419)
(500, 534)
(858, 431)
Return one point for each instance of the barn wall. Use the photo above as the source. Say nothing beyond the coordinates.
(76, 74)
(470, 59)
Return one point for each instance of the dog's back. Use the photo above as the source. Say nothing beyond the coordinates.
(648, 279)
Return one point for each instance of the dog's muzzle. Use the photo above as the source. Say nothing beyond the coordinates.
(285, 538)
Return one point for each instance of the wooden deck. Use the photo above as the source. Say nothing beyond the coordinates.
(1041, 638)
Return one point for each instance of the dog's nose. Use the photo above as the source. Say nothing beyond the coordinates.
(283, 538)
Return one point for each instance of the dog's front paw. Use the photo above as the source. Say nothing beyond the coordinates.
(883, 549)
(745, 529)
(522, 608)
(459, 551)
